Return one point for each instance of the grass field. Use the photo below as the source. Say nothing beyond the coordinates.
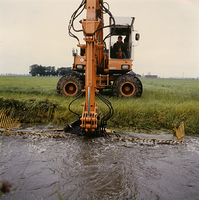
(164, 104)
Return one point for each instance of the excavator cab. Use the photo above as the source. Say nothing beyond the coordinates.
(121, 45)
(124, 30)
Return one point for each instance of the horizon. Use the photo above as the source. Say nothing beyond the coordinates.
(143, 76)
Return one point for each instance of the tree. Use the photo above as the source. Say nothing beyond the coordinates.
(64, 70)
(34, 70)
(39, 70)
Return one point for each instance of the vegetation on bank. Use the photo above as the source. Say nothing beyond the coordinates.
(164, 104)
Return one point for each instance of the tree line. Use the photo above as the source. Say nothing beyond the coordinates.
(39, 70)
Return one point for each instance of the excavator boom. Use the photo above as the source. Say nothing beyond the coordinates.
(89, 117)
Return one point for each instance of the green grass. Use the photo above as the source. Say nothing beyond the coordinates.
(164, 104)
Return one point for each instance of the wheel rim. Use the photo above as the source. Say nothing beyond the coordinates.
(70, 89)
(127, 89)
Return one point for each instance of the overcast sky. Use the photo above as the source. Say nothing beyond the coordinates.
(35, 32)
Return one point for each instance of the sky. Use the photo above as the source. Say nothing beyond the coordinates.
(35, 32)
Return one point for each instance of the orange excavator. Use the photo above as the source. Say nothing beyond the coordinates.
(100, 68)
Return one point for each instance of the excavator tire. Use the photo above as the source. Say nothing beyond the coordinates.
(127, 85)
(70, 85)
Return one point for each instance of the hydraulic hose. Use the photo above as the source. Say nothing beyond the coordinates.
(72, 102)
(73, 17)
(110, 112)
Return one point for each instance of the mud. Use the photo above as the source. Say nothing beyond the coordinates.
(97, 168)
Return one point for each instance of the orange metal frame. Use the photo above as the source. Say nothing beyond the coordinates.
(94, 48)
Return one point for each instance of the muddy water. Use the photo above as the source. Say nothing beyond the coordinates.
(82, 168)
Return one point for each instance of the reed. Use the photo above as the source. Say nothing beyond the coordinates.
(165, 103)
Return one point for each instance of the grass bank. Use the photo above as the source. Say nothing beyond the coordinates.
(165, 103)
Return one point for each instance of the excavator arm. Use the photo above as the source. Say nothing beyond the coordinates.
(92, 28)
(90, 25)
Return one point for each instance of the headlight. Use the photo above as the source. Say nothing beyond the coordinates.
(79, 66)
(125, 66)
